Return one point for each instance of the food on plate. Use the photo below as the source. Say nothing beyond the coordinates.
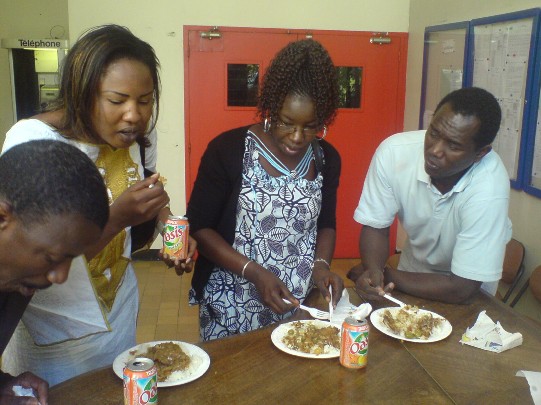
(309, 338)
(411, 323)
(168, 358)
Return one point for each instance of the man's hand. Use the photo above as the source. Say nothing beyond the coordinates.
(369, 284)
(25, 380)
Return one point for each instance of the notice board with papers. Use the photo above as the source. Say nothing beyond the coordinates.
(532, 180)
(502, 61)
(444, 60)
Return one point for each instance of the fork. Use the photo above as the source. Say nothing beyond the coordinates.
(316, 313)
(393, 299)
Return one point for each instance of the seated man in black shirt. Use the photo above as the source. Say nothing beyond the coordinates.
(53, 205)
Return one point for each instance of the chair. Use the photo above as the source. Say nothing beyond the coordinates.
(534, 282)
(513, 266)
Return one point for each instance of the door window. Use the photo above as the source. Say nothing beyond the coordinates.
(350, 81)
(242, 84)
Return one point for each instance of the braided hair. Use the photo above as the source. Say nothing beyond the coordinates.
(303, 68)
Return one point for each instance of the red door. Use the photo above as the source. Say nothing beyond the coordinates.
(357, 130)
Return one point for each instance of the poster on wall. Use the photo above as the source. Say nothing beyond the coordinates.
(443, 66)
(500, 65)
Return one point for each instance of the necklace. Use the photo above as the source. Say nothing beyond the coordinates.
(302, 167)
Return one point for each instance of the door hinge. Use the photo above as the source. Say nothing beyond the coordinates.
(380, 38)
(214, 32)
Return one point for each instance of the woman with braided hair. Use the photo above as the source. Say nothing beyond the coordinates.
(263, 205)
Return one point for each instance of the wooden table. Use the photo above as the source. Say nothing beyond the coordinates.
(249, 369)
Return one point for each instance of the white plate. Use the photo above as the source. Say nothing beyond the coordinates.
(281, 331)
(199, 362)
(439, 333)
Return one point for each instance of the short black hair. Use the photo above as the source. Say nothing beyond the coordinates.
(304, 68)
(45, 178)
(477, 102)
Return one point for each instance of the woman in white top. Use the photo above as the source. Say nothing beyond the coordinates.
(108, 103)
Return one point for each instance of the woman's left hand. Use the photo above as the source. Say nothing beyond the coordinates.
(181, 265)
(323, 278)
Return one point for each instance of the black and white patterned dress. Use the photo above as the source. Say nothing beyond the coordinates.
(276, 226)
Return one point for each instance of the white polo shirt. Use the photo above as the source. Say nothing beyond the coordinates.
(463, 231)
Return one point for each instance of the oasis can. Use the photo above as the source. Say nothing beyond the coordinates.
(140, 382)
(175, 237)
(354, 343)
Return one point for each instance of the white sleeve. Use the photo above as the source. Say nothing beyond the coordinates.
(29, 130)
(377, 206)
(485, 230)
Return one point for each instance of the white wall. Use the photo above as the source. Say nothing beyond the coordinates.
(524, 210)
(25, 19)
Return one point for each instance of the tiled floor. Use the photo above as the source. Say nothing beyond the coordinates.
(164, 311)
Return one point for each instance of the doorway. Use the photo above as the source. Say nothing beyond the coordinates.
(372, 77)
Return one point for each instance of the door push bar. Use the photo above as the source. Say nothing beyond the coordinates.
(214, 32)
(380, 38)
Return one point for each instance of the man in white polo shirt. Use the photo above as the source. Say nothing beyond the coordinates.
(451, 194)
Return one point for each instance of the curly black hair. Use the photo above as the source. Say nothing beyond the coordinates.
(303, 68)
(477, 102)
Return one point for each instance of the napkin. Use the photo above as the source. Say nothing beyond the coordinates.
(534, 380)
(20, 391)
(487, 335)
(344, 309)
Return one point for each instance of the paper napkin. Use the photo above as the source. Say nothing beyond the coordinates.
(534, 380)
(344, 309)
(487, 335)
(20, 391)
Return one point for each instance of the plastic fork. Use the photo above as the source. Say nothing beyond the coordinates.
(393, 299)
(316, 313)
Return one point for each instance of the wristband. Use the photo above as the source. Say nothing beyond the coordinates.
(320, 259)
(244, 268)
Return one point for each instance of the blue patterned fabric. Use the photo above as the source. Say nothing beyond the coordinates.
(276, 226)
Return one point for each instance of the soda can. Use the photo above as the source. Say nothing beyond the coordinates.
(175, 237)
(140, 382)
(354, 343)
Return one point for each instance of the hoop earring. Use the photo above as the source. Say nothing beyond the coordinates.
(266, 125)
(319, 138)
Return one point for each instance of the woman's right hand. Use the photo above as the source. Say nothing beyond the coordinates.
(272, 290)
(139, 203)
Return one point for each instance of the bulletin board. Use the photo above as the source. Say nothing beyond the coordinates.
(502, 61)
(444, 60)
(532, 181)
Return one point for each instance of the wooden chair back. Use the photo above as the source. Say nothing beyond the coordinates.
(513, 267)
(534, 282)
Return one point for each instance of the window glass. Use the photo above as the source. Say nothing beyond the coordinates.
(242, 85)
(349, 82)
